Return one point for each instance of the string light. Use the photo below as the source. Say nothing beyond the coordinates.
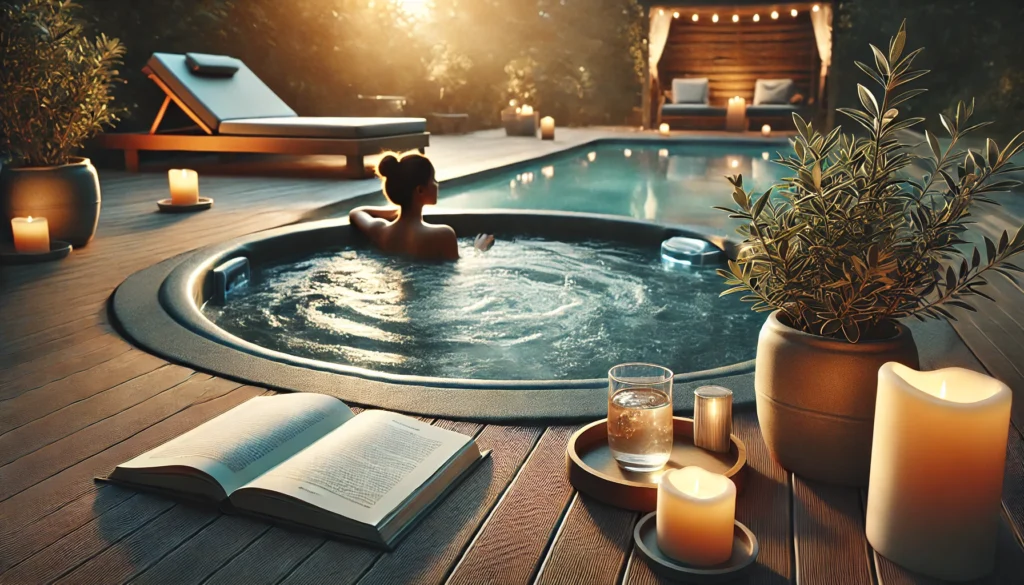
(775, 14)
(757, 18)
(735, 17)
(793, 12)
(815, 8)
(675, 15)
(695, 18)
(714, 18)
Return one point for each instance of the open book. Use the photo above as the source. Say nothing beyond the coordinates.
(306, 459)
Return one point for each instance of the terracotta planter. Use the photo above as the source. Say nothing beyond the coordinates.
(68, 196)
(816, 399)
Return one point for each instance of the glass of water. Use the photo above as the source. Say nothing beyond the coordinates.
(640, 416)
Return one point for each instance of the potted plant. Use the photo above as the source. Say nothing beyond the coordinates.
(54, 95)
(844, 250)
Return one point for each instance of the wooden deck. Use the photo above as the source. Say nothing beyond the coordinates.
(76, 399)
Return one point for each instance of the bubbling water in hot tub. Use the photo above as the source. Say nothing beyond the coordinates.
(528, 309)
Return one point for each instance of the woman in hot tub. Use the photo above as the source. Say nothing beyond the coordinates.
(409, 184)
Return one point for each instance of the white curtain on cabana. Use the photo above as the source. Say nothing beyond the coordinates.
(657, 37)
(822, 23)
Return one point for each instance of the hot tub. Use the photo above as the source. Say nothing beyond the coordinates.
(525, 331)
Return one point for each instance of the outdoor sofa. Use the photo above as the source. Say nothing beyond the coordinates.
(688, 106)
(236, 112)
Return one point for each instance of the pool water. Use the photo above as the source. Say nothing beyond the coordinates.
(528, 309)
(666, 182)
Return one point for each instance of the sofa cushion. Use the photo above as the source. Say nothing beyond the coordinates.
(690, 90)
(691, 110)
(773, 91)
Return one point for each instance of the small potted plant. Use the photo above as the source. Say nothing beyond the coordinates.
(845, 249)
(54, 95)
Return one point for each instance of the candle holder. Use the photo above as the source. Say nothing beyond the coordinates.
(168, 206)
(744, 552)
(184, 187)
(58, 250)
(712, 418)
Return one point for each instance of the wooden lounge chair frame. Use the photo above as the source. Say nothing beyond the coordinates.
(354, 150)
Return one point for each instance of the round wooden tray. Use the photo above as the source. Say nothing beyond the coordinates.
(593, 470)
(58, 250)
(166, 206)
(744, 553)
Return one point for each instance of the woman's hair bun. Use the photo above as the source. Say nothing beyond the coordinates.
(387, 166)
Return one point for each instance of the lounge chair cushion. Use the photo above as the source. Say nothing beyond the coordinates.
(691, 90)
(691, 110)
(212, 65)
(297, 127)
(773, 91)
(772, 111)
(215, 99)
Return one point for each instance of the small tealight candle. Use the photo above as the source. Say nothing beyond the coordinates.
(526, 110)
(547, 128)
(696, 516)
(712, 418)
(184, 185)
(937, 461)
(31, 235)
(766, 130)
(663, 129)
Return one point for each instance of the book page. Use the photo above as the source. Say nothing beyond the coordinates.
(250, 439)
(365, 469)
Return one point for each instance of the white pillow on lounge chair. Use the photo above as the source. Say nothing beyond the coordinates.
(773, 91)
(691, 90)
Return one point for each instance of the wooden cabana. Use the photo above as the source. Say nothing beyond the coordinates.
(733, 45)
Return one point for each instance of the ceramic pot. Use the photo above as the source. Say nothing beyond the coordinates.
(68, 196)
(816, 399)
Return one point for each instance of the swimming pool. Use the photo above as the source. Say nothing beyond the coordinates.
(672, 182)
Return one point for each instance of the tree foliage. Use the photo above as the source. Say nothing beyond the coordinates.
(54, 82)
(851, 242)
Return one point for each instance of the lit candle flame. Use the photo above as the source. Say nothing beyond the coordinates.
(942, 390)
(29, 220)
(696, 486)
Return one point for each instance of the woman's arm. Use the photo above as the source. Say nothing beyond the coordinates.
(371, 220)
(387, 213)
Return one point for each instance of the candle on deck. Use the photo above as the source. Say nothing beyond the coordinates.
(184, 185)
(31, 234)
(939, 449)
(696, 516)
(664, 129)
(547, 128)
(736, 114)
(766, 130)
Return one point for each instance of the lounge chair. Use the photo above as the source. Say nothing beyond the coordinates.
(238, 113)
(689, 106)
(773, 104)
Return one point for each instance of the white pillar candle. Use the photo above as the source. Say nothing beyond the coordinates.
(736, 114)
(696, 516)
(547, 128)
(663, 129)
(31, 234)
(939, 449)
(184, 186)
(766, 130)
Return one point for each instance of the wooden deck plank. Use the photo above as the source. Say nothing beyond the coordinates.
(130, 556)
(206, 552)
(78, 415)
(591, 545)
(828, 534)
(269, 559)
(428, 554)
(39, 402)
(49, 368)
(514, 539)
(77, 480)
(79, 546)
(14, 350)
(55, 457)
(58, 343)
